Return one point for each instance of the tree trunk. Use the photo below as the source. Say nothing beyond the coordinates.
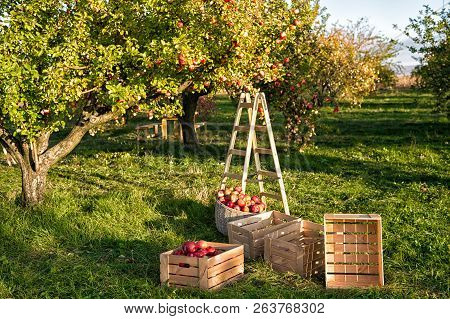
(187, 120)
(33, 185)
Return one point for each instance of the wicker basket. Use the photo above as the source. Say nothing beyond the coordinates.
(224, 215)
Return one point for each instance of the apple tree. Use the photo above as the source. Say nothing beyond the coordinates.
(327, 68)
(429, 32)
(75, 65)
(236, 48)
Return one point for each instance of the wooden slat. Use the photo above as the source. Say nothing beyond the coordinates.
(225, 256)
(352, 258)
(237, 152)
(269, 174)
(164, 268)
(351, 248)
(340, 217)
(265, 151)
(242, 128)
(220, 268)
(184, 280)
(262, 224)
(214, 281)
(351, 228)
(289, 263)
(175, 260)
(351, 269)
(350, 238)
(283, 252)
(233, 176)
(203, 273)
(272, 195)
(307, 225)
(246, 105)
(182, 271)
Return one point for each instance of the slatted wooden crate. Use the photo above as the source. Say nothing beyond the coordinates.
(250, 231)
(298, 248)
(353, 251)
(206, 273)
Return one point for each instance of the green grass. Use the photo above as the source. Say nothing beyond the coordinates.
(111, 210)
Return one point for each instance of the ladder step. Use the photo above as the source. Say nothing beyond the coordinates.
(246, 128)
(271, 195)
(263, 151)
(233, 176)
(273, 175)
(246, 105)
(237, 152)
(238, 177)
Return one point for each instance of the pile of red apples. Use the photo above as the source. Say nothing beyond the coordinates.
(236, 199)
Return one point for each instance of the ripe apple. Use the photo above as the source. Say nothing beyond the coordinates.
(241, 202)
(206, 84)
(228, 191)
(191, 255)
(234, 198)
(245, 209)
(200, 254)
(230, 204)
(210, 250)
(286, 60)
(201, 244)
(178, 252)
(180, 24)
(283, 35)
(256, 199)
(220, 193)
(181, 59)
(191, 68)
(296, 22)
(255, 209)
(241, 196)
(203, 61)
(222, 200)
(237, 207)
(189, 247)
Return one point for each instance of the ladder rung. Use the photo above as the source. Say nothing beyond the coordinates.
(263, 151)
(238, 177)
(273, 175)
(233, 176)
(271, 195)
(246, 128)
(237, 152)
(246, 105)
(242, 128)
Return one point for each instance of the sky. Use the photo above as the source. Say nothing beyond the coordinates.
(381, 14)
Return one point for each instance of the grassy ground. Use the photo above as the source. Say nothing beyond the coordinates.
(111, 210)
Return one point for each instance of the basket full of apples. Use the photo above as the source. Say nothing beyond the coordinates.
(234, 204)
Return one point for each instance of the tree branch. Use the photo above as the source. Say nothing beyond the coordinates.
(11, 145)
(64, 147)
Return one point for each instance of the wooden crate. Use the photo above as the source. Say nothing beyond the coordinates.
(251, 231)
(206, 273)
(353, 251)
(298, 248)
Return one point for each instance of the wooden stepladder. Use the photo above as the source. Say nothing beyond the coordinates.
(245, 102)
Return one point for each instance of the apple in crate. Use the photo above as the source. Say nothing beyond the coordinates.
(201, 244)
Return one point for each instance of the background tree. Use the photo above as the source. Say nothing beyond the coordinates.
(429, 33)
(332, 67)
